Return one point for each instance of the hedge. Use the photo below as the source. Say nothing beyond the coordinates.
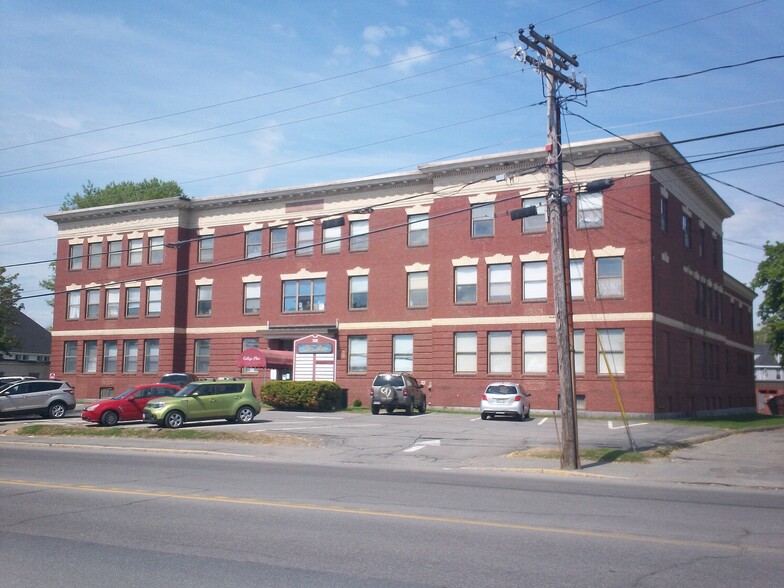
(288, 395)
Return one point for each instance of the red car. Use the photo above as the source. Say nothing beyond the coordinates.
(127, 406)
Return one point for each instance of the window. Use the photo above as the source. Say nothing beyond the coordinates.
(278, 241)
(715, 253)
(204, 300)
(499, 282)
(75, 253)
(90, 360)
(114, 254)
(686, 229)
(74, 304)
(358, 292)
(663, 214)
(155, 252)
(112, 303)
(133, 301)
(92, 306)
(701, 244)
(357, 353)
(151, 352)
(535, 280)
(579, 351)
(535, 352)
(135, 249)
(94, 254)
(465, 353)
(206, 249)
(109, 357)
(402, 353)
(201, 359)
(418, 229)
(304, 235)
(577, 278)
(358, 231)
(331, 238)
(417, 289)
(304, 295)
(609, 277)
(499, 352)
(130, 357)
(252, 244)
(590, 210)
(482, 220)
(538, 222)
(465, 284)
(154, 294)
(69, 357)
(250, 343)
(251, 298)
(610, 351)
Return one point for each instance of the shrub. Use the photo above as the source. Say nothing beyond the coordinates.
(288, 395)
(357, 403)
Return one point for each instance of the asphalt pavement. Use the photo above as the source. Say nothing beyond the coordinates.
(749, 459)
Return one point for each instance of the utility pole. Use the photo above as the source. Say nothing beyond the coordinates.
(551, 62)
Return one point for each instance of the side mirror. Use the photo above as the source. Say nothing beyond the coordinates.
(195, 394)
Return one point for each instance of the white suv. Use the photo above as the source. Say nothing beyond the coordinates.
(49, 398)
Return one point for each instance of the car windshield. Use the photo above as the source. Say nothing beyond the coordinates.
(388, 379)
(501, 389)
(122, 395)
(188, 390)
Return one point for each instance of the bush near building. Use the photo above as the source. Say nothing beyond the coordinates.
(288, 395)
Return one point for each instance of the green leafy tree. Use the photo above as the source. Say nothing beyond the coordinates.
(770, 279)
(10, 294)
(113, 193)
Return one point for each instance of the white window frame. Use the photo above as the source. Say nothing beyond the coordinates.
(251, 298)
(417, 290)
(590, 210)
(465, 344)
(357, 289)
(499, 282)
(609, 277)
(535, 280)
(613, 343)
(466, 284)
(402, 353)
(357, 353)
(418, 230)
(535, 352)
(499, 352)
(483, 220)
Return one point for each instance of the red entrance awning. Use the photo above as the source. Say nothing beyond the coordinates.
(265, 358)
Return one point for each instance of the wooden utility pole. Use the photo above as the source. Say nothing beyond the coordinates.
(551, 62)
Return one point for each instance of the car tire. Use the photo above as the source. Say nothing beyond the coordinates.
(174, 420)
(484, 416)
(410, 408)
(528, 413)
(245, 414)
(109, 418)
(422, 408)
(374, 409)
(520, 417)
(56, 410)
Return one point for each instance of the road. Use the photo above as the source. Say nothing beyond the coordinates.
(89, 516)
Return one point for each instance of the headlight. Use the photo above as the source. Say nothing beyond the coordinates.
(91, 407)
(155, 405)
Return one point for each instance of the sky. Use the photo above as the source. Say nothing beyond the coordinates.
(230, 97)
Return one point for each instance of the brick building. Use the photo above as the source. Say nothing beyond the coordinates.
(427, 273)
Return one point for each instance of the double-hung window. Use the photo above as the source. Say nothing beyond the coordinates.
(465, 284)
(253, 244)
(206, 249)
(135, 251)
(418, 229)
(417, 289)
(204, 300)
(358, 292)
(155, 252)
(75, 253)
(499, 352)
(535, 280)
(535, 352)
(590, 210)
(358, 231)
(403, 353)
(499, 282)
(465, 353)
(304, 234)
(609, 277)
(482, 219)
(133, 301)
(357, 353)
(251, 298)
(94, 255)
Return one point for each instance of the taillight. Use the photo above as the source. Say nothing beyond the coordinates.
(518, 398)
(484, 396)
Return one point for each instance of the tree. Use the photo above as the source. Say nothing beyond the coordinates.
(10, 293)
(113, 193)
(770, 279)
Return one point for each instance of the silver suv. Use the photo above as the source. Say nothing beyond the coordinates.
(49, 398)
(397, 390)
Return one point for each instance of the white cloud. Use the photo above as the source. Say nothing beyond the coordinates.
(410, 57)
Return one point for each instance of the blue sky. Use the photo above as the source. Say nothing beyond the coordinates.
(228, 97)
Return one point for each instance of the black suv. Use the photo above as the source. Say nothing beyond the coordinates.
(397, 390)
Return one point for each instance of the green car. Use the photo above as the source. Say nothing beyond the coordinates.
(228, 399)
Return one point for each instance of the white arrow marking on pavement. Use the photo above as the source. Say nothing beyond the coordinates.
(422, 444)
(614, 428)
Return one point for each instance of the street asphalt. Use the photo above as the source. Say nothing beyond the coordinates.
(748, 459)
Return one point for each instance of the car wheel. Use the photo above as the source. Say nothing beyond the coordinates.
(410, 408)
(519, 417)
(528, 413)
(174, 419)
(374, 409)
(390, 409)
(245, 414)
(109, 418)
(484, 416)
(56, 410)
(422, 408)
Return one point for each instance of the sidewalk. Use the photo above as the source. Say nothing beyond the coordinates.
(742, 459)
